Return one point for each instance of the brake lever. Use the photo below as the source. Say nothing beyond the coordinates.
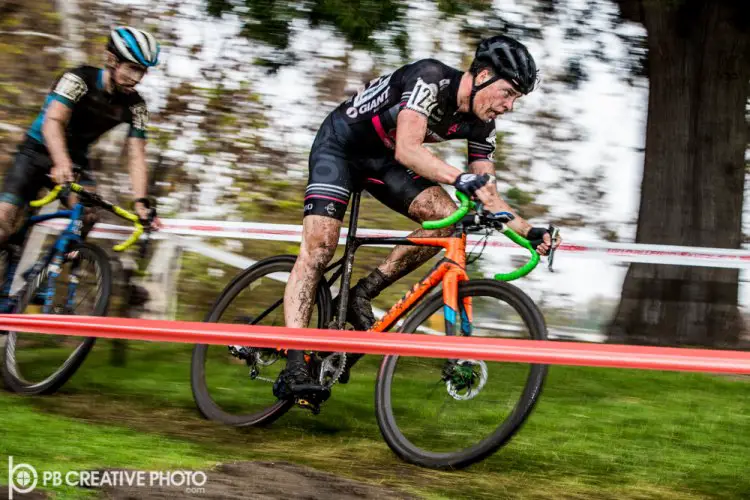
(553, 233)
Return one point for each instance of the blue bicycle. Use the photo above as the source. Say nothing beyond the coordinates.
(71, 277)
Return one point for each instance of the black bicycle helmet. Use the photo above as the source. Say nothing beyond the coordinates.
(509, 59)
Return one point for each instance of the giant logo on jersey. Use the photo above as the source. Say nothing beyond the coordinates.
(373, 97)
(71, 87)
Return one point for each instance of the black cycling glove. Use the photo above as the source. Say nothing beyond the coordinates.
(536, 236)
(151, 210)
(468, 184)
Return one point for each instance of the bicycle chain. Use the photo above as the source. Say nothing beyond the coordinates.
(331, 367)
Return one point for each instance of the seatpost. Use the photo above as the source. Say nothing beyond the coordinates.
(351, 247)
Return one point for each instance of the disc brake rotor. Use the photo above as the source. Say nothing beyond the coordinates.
(465, 379)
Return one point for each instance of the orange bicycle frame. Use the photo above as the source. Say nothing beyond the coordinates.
(451, 270)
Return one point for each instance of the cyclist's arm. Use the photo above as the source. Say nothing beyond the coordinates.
(139, 179)
(137, 166)
(489, 191)
(56, 120)
(137, 148)
(411, 153)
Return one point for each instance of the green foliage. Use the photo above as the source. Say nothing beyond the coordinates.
(452, 8)
(269, 21)
(357, 19)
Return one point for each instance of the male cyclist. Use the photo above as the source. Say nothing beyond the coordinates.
(83, 104)
(375, 141)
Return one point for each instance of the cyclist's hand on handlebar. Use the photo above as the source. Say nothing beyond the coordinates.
(540, 238)
(62, 173)
(479, 187)
(147, 214)
(153, 222)
(469, 184)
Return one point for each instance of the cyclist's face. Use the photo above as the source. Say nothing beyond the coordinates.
(127, 75)
(494, 100)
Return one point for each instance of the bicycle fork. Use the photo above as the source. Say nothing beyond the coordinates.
(54, 269)
(451, 308)
(53, 272)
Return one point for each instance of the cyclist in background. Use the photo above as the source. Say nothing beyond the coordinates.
(85, 103)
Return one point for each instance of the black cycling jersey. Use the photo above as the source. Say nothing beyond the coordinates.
(354, 146)
(428, 87)
(95, 111)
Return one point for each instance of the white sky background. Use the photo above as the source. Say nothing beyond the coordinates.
(611, 113)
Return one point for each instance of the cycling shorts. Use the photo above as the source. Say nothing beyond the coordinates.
(30, 173)
(336, 170)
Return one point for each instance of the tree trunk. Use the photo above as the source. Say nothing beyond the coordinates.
(693, 177)
(72, 31)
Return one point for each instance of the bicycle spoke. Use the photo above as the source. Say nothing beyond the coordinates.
(268, 311)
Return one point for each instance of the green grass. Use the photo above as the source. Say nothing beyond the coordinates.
(596, 433)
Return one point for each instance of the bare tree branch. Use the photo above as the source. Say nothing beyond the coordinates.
(10, 128)
(31, 33)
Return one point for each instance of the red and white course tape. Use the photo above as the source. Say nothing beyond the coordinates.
(614, 252)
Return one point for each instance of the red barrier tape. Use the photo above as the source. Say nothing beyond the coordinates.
(491, 349)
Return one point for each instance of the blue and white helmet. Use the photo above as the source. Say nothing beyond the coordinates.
(134, 45)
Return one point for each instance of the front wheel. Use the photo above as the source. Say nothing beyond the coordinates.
(39, 363)
(451, 413)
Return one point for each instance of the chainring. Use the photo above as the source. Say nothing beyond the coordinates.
(331, 368)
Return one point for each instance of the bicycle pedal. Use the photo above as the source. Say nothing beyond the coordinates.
(308, 405)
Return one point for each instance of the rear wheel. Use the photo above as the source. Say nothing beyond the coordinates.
(233, 384)
(451, 413)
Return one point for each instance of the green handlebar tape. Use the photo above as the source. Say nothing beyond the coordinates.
(467, 205)
(456, 216)
(526, 268)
